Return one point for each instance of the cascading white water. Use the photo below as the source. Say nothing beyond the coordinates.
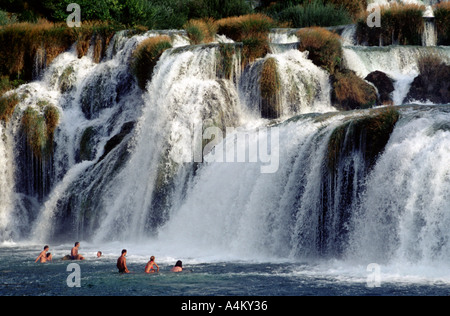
(183, 93)
(400, 63)
(429, 37)
(6, 189)
(401, 215)
(304, 87)
(408, 219)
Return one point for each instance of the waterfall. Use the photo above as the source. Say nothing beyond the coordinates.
(131, 164)
(297, 212)
(429, 37)
(6, 188)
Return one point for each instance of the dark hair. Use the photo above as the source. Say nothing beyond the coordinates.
(48, 254)
(45, 247)
(123, 251)
(179, 264)
(76, 243)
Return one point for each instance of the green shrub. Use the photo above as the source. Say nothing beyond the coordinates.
(146, 56)
(315, 13)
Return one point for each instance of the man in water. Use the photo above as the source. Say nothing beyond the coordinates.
(74, 252)
(44, 256)
(122, 262)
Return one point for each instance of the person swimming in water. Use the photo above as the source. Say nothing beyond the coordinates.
(44, 256)
(149, 267)
(122, 262)
(178, 267)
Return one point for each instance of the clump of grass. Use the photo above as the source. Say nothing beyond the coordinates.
(201, 31)
(442, 18)
(433, 81)
(401, 24)
(324, 47)
(7, 105)
(224, 64)
(22, 41)
(51, 115)
(252, 30)
(93, 32)
(33, 124)
(146, 56)
(270, 87)
(245, 26)
(370, 134)
(39, 129)
(352, 92)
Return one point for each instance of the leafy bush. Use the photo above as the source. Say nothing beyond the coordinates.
(217, 9)
(324, 47)
(146, 56)
(354, 7)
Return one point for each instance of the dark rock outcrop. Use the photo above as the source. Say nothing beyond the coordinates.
(384, 84)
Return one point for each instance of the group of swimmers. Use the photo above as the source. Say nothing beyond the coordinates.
(46, 256)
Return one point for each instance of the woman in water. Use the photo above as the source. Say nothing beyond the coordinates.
(178, 267)
(149, 267)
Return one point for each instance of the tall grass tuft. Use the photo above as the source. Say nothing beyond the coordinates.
(35, 129)
(39, 129)
(7, 105)
(201, 31)
(270, 86)
(146, 56)
(352, 92)
(442, 17)
(252, 30)
(401, 24)
(324, 47)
